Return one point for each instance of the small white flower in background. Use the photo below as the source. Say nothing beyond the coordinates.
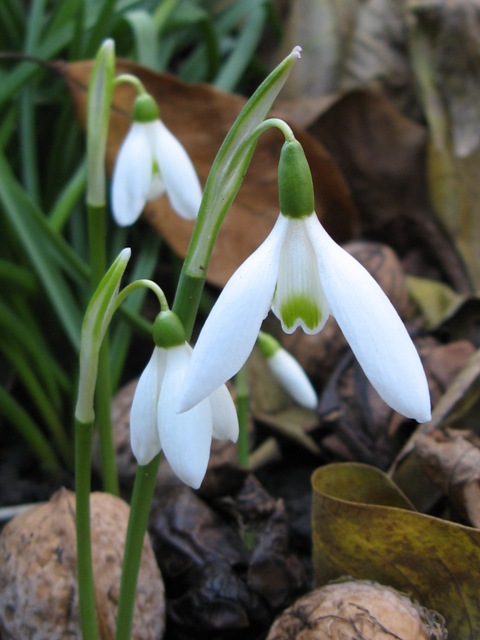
(154, 423)
(287, 371)
(304, 276)
(150, 162)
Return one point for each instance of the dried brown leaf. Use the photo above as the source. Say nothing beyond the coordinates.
(201, 116)
(382, 155)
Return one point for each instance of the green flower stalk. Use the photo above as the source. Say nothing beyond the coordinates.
(97, 318)
(99, 100)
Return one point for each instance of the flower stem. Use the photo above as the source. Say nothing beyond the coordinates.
(103, 395)
(144, 487)
(187, 299)
(242, 395)
(86, 588)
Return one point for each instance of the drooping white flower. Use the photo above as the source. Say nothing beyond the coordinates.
(150, 162)
(184, 438)
(287, 371)
(304, 277)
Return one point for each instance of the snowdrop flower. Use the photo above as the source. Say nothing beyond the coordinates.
(304, 277)
(287, 371)
(151, 161)
(155, 424)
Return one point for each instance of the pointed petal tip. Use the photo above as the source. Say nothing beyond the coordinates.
(425, 415)
(144, 455)
(224, 415)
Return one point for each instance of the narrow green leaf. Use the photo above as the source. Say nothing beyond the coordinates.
(12, 411)
(144, 37)
(245, 47)
(36, 238)
(40, 398)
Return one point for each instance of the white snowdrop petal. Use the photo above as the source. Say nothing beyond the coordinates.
(299, 298)
(144, 438)
(293, 378)
(373, 329)
(231, 329)
(177, 172)
(186, 437)
(131, 177)
(224, 415)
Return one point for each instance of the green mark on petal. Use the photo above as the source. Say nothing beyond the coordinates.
(300, 307)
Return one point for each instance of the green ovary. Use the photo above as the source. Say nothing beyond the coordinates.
(300, 307)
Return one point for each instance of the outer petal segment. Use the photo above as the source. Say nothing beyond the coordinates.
(143, 415)
(132, 175)
(373, 328)
(186, 437)
(231, 329)
(177, 171)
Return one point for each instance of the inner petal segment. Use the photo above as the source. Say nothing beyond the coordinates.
(299, 300)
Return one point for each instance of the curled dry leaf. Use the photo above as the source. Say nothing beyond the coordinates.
(357, 610)
(451, 460)
(201, 116)
(458, 400)
(38, 574)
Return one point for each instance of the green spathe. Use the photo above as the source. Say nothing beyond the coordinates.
(145, 109)
(168, 330)
(267, 344)
(295, 186)
(95, 324)
(301, 307)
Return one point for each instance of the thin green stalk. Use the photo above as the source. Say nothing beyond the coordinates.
(143, 490)
(86, 587)
(97, 249)
(103, 397)
(187, 300)
(242, 395)
(103, 394)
